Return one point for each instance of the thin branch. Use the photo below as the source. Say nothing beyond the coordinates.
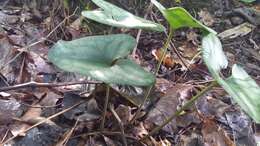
(105, 108)
(121, 126)
(140, 30)
(46, 85)
(68, 135)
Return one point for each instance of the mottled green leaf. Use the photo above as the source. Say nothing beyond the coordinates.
(242, 88)
(244, 91)
(102, 58)
(115, 16)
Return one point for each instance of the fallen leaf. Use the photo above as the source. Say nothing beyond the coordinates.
(171, 99)
(240, 126)
(84, 112)
(124, 113)
(191, 140)
(211, 107)
(193, 37)
(206, 17)
(240, 30)
(188, 51)
(214, 135)
(32, 114)
(167, 61)
(163, 85)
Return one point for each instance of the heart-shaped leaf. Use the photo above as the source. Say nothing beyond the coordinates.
(115, 16)
(244, 91)
(102, 58)
(240, 85)
(178, 17)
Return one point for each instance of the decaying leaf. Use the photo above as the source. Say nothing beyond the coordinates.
(206, 17)
(214, 135)
(240, 30)
(211, 107)
(171, 99)
(168, 61)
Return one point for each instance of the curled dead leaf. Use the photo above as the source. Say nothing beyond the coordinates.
(168, 61)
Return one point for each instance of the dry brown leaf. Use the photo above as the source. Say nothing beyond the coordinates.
(167, 105)
(188, 50)
(206, 17)
(192, 36)
(124, 113)
(191, 140)
(162, 85)
(168, 61)
(31, 115)
(214, 135)
(240, 30)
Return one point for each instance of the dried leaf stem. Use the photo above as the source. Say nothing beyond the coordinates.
(105, 108)
(121, 126)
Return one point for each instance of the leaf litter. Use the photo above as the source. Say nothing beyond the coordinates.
(214, 120)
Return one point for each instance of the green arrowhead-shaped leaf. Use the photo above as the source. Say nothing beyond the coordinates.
(244, 91)
(115, 16)
(102, 58)
(178, 17)
(240, 85)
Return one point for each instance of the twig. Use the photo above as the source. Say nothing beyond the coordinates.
(41, 122)
(121, 126)
(178, 112)
(105, 108)
(68, 135)
(47, 85)
(166, 45)
(6, 133)
(140, 30)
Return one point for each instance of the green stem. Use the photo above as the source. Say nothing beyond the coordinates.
(105, 108)
(166, 44)
(178, 112)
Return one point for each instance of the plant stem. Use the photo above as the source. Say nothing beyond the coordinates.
(166, 44)
(120, 123)
(178, 112)
(105, 108)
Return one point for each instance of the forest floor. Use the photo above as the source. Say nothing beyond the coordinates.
(39, 102)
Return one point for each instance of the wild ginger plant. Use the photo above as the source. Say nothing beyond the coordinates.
(105, 57)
